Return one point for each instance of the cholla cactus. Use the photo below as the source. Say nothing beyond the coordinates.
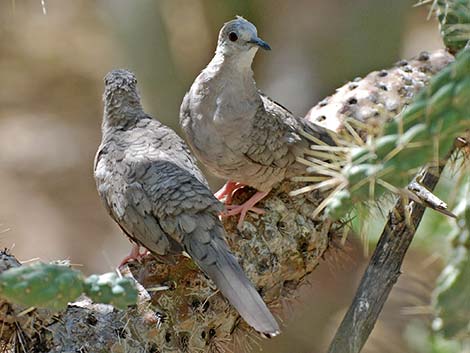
(424, 133)
(41, 285)
(109, 288)
(450, 297)
(54, 286)
(454, 22)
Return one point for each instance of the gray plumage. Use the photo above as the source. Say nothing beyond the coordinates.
(152, 188)
(236, 131)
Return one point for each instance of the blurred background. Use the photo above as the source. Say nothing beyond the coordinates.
(53, 56)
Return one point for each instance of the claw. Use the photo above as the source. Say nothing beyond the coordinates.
(242, 209)
(227, 191)
(233, 210)
(134, 255)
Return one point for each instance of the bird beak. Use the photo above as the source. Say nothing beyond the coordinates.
(260, 43)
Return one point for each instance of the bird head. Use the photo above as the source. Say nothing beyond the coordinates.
(120, 81)
(240, 36)
(120, 91)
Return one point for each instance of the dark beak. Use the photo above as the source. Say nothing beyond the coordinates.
(260, 43)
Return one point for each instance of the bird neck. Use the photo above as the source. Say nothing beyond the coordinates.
(122, 111)
(239, 61)
(233, 68)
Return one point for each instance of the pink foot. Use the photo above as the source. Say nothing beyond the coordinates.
(227, 191)
(135, 255)
(245, 207)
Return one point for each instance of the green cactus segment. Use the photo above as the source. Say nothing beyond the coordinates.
(454, 23)
(423, 133)
(109, 288)
(450, 298)
(53, 286)
(41, 285)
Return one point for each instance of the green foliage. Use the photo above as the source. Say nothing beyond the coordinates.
(42, 285)
(109, 288)
(422, 340)
(424, 133)
(454, 20)
(451, 296)
(53, 286)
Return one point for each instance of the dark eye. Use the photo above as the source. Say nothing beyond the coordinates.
(232, 36)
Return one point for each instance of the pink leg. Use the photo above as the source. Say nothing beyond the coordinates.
(227, 191)
(245, 207)
(135, 254)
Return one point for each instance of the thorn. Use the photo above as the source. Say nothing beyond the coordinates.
(327, 184)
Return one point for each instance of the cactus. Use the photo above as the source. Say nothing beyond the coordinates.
(53, 286)
(423, 134)
(109, 288)
(41, 285)
(454, 23)
(450, 298)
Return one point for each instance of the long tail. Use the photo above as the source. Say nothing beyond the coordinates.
(216, 260)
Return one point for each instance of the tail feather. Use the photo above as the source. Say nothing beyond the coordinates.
(318, 131)
(222, 267)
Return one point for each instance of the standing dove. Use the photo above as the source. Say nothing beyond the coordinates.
(152, 188)
(236, 131)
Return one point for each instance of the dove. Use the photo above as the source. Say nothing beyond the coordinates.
(151, 186)
(236, 131)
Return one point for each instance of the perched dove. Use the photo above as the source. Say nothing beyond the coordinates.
(236, 131)
(152, 188)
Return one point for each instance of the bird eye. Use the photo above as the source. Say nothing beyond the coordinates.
(232, 36)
